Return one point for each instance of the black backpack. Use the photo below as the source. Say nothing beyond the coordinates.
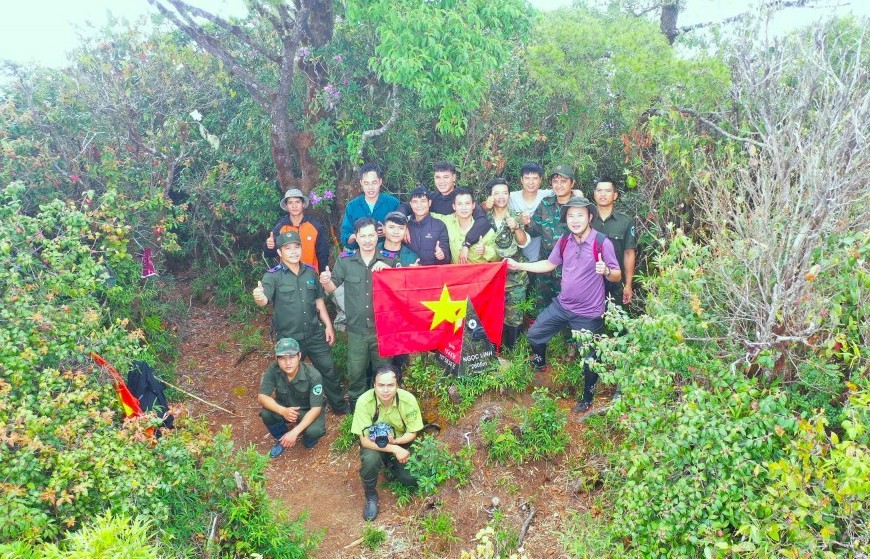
(149, 390)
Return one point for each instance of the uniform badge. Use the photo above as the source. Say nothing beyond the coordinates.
(317, 390)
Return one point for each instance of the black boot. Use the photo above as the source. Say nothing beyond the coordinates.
(539, 356)
(510, 336)
(370, 508)
(589, 381)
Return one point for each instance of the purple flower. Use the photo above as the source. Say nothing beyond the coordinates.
(345, 83)
(315, 198)
(328, 195)
(303, 52)
(338, 58)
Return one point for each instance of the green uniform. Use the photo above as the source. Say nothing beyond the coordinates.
(546, 224)
(457, 238)
(362, 342)
(506, 246)
(304, 391)
(619, 228)
(294, 298)
(404, 418)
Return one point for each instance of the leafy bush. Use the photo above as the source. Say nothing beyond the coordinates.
(67, 455)
(540, 435)
(345, 440)
(434, 464)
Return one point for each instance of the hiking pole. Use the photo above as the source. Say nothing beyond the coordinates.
(194, 396)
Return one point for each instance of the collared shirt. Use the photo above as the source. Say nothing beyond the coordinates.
(582, 289)
(518, 205)
(404, 417)
(403, 257)
(314, 237)
(619, 228)
(305, 390)
(356, 276)
(294, 298)
(546, 223)
(358, 207)
(457, 237)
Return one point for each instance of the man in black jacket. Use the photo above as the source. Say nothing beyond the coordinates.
(427, 235)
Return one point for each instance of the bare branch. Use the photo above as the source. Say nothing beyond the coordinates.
(708, 124)
(394, 116)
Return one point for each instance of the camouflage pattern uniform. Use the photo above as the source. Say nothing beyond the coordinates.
(546, 223)
(515, 288)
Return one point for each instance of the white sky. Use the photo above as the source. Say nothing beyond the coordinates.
(44, 30)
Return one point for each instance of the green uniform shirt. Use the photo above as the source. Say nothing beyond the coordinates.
(356, 276)
(546, 224)
(293, 297)
(407, 410)
(304, 391)
(619, 228)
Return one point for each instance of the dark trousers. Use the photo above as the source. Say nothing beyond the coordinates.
(362, 351)
(315, 348)
(278, 425)
(371, 462)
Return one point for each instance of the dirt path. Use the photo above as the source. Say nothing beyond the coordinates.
(325, 484)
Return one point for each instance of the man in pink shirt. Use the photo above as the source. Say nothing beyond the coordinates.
(587, 258)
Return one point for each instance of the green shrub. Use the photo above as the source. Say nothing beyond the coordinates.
(540, 433)
(433, 464)
(373, 537)
(346, 440)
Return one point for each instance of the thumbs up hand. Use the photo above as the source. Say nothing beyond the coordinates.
(601, 267)
(270, 242)
(439, 254)
(259, 295)
(325, 276)
(479, 247)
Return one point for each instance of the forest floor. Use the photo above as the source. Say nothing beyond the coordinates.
(325, 484)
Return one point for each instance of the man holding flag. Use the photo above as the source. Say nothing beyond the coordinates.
(587, 258)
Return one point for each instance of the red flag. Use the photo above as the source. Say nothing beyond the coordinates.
(419, 308)
(129, 403)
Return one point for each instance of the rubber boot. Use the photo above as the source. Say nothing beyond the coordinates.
(539, 356)
(370, 508)
(589, 381)
(510, 336)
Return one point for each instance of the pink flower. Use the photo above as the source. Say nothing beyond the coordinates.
(314, 198)
(328, 195)
(75, 178)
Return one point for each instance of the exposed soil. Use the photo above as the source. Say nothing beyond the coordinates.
(325, 483)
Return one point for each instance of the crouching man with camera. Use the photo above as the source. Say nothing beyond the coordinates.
(387, 420)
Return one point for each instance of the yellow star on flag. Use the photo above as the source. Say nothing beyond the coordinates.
(446, 310)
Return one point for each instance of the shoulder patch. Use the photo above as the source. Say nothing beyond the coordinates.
(317, 389)
(347, 254)
(278, 268)
(631, 231)
(309, 266)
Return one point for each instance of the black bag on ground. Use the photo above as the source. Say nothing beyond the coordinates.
(149, 390)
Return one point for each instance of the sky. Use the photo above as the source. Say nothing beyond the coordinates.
(43, 31)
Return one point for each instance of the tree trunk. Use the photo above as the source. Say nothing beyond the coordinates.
(668, 21)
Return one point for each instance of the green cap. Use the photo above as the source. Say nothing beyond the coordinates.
(287, 238)
(287, 346)
(294, 193)
(576, 202)
(564, 170)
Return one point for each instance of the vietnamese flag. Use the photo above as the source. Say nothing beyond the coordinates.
(129, 403)
(420, 308)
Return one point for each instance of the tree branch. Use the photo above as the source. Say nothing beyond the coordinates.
(394, 116)
(709, 124)
(773, 6)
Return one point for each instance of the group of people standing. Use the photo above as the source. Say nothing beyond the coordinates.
(579, 253)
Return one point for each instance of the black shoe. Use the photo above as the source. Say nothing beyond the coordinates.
(581, 406)
(539, 356)
(370, 508)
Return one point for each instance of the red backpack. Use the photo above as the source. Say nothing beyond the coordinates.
(597, 245)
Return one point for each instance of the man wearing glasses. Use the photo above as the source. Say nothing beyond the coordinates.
(619, 228)
(291, 394)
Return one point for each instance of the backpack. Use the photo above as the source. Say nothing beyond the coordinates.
(597, 245)
(149, 390)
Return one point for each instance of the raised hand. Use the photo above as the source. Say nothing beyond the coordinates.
(325, 276)
(600, 266)
(439, 254)
(479, 248)
(525, 218)
(260, 295)
(270, 242)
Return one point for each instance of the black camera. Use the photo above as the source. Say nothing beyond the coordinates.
(379, 433)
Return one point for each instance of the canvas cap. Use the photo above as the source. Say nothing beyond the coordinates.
(576, 202)
(396, 217)
(287, 346)
(294, 193)
(287, 238)
(564, 170)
